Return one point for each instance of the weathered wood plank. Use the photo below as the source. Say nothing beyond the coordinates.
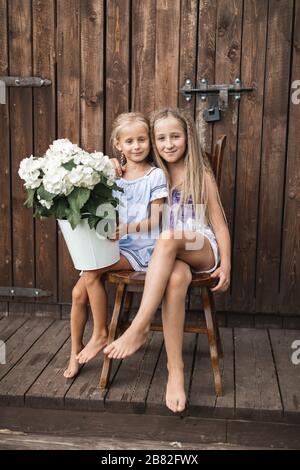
(5, 176)
(24, 441)
(50, 388)
(268, 321)
(9, 326)
(84, 393)
(44, 44)
(117, 64)
(157, 390)
(143, 55)
(22, 341)
(203, 400)
(147, 370)
(31, 308)
(276, 98)
(188, 49)
(20, 63)
(207, 24)
(119, 425)
(273, 435)
(18, 380)
(4, 309)
(91, 86)
(156, 397)
(290, 253)
(240, 320)
(129, 389)
(288, 373)
(248, 156)
(52, 310)
(127, 377)
(291, 322)
(68, 113)
(166, 57)
(227, 69)
(256, 387)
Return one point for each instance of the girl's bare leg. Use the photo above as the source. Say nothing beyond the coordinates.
(78, 321)
(98, 301)
(168, 247)
(173, 315)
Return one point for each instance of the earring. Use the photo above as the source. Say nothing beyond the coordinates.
(123, 159)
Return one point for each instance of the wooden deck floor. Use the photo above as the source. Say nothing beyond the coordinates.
(260, 382)
(260, 406)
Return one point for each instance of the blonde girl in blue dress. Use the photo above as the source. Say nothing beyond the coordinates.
(145, 191)
(196, 240)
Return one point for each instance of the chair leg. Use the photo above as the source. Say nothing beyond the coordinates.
(212, 337)
(127, 306)
(113, 327)
(214, 317)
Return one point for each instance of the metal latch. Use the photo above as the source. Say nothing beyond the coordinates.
(217, 96)
(20, 82)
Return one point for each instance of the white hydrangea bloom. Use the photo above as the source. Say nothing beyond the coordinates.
(61, 151)
(30, 171)
(46, 204)
(83, 157)
(55, 181)
(109, 173)
(83, 177)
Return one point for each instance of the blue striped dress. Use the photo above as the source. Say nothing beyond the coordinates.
(134, 207)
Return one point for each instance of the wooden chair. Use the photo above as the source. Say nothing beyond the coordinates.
(129, 282)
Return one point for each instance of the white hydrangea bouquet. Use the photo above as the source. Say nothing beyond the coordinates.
(74, 186)
(69, 183)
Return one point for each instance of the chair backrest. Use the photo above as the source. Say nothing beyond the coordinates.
(216, 158)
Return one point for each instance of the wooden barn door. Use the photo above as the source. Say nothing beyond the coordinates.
(108, 56)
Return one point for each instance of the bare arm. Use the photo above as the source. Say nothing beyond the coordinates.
(221, 231)
(117, 166)
(144, 225)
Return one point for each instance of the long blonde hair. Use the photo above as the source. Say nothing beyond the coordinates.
(196, 164)
(123, 120)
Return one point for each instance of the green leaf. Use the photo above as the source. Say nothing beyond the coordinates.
(93, 220)
(78, 197)
(91, 207)
(45, 194)
(114, 186)
(101, 189)
(61, 207)
(30, 197)
(69, 165)
(74, 218)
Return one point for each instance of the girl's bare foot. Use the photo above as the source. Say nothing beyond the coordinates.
(175, 394)
(73, 367)
(127, 344)
(95, 345)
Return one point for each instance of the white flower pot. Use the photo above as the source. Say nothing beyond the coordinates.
(88, 249)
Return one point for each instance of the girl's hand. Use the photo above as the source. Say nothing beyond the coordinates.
(119, 169)
(223, 273)
(120, 231)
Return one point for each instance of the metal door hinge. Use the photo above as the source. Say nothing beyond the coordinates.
(217, 96)
(23, 292)
(6, 81)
